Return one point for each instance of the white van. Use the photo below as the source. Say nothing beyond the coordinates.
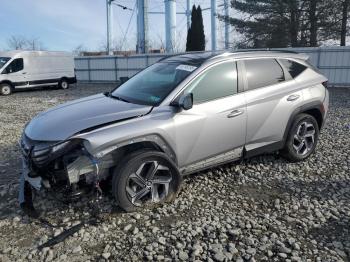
(27, 69)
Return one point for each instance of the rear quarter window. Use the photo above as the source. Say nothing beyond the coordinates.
(293, 67)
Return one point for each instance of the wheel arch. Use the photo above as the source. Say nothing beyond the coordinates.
(313, 108)
(7, 82)
(151, 142)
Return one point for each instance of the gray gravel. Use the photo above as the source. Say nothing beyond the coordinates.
(263, 209)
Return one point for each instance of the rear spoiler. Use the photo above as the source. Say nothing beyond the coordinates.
(303, 56)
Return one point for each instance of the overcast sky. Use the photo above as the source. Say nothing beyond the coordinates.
(66, 24)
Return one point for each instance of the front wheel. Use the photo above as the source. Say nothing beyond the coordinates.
(6, 89)
(302, 138)
(145, 179)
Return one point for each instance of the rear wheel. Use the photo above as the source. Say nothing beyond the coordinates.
(63, 84)
(302, 138)
(145, 179)
(6, 89)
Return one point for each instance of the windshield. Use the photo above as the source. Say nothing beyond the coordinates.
(3, 61)
(152, 85)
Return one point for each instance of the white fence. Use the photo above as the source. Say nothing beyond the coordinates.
(334, 62)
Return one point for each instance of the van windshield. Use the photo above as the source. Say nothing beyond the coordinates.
(152, 85)
(3, 61)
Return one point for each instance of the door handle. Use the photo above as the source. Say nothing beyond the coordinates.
(24, 73)
(235, 113)
(292, 97)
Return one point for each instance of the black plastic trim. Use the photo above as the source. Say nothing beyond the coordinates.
(264, 149)
(70, 80)
(312, 105)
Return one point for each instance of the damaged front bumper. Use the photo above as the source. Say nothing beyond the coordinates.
(65, 167)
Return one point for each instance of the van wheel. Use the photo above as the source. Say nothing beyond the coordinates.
(6, 89)
(302, 138)
(145, 179)
(63, 84)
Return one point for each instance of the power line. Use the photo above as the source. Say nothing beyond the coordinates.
(127, 29)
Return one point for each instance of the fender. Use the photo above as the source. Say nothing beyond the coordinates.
(308, 106)
(7, 82)
(154, 139)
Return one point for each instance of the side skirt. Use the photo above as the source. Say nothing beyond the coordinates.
(220, 159)
(229, 157)
(264, 149)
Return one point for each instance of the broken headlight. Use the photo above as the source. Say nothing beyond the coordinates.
(59, 147)
(42, 154)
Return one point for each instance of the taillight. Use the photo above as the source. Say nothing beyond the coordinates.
(325, 84)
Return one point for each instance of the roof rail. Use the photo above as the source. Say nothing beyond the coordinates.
(263, 49)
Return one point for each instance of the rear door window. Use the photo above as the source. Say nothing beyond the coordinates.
(15, 66)
(263, 72)
(293, 67)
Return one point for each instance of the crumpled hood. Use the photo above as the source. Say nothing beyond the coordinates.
(63, 121)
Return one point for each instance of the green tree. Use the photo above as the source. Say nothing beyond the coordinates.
(276, 23)
(195, 35)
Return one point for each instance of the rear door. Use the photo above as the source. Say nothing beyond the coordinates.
(271, 95)
(214, 129)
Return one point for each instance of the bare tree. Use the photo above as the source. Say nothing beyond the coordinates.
(79, 50)
(34, 44)
(16, 42)
(118, 45)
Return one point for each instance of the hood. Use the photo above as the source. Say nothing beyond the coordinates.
(63, 121)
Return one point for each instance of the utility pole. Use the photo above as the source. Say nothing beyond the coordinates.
(213, 25)
(170, 25)
(109, 26)
(227, 24)
(142, 26)
(188, 14)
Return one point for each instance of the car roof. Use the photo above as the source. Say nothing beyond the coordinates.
(198, 58)
(14, 53)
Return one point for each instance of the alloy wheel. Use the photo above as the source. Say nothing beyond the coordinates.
(149, 183)
(304, 138)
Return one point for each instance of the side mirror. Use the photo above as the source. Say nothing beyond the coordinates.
(186, 101)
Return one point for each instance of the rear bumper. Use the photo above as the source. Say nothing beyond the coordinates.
(72, 80)
(325, 107)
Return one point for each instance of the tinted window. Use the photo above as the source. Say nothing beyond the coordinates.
(263, 72)
(218, 81)
(15, 66)
(293, 68)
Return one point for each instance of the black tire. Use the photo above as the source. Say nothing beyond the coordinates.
(6, 89)
(295, 140)
(63, 84)
(124, 180)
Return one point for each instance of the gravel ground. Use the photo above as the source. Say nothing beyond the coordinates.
(262, 209)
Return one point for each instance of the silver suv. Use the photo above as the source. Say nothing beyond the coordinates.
(183, 114)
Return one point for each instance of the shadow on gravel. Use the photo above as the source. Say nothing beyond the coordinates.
(10, 164)
(321, 190)
(334, 233)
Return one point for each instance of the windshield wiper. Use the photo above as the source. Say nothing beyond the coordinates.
(117, 97)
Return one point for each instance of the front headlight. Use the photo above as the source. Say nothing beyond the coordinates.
(59, 147)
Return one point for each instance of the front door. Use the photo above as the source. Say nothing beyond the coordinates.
(214, 129)
(14, 72)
